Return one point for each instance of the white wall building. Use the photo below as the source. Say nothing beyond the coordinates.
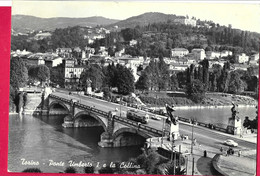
(179, 52)
(212, 55)
(186, 21)
(199, 54)
(225, 53)
(242, 58)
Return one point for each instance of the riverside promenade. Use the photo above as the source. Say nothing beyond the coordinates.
(231, 165)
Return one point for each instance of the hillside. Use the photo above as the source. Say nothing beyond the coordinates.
(144, 19)
(23, 23)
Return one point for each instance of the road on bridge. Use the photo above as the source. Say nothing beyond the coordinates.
(204, 136)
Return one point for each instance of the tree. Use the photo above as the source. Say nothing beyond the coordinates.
(43, 73)
(95, 74)
(236, 85)
(70, 170)
(89, 170)
(196, 90)
(57, 75)
(18, 73)
(125, 80)
(143, 82)
(34, 170)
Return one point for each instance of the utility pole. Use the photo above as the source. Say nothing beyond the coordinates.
(120, 105)
(192, 138)
(192, 166)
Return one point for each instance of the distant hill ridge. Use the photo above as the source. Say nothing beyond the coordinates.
(145, 19)
(23, 23)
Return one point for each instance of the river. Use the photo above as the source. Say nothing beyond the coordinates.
(218, 116)
(41, 139)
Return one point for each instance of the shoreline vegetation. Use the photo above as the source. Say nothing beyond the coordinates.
(182, 101)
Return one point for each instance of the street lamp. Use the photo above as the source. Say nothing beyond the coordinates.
(120, 105)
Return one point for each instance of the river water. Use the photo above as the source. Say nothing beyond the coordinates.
(218, 116)
(43, 140)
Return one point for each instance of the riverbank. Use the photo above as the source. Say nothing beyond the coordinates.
(181, 100)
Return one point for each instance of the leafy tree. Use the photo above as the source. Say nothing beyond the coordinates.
(236, 85)
(106, 170)
(70, 170)
(57, 75)
(34, 170)
(89, 170)
(125, 80)
(18, 73)
(143, 82)
(95, 74)
(43, 73)
(196, 90)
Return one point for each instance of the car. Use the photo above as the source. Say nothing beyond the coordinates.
(156, 117)
(231, 143)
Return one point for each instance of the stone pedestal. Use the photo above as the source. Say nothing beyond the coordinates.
(106, 140)
(234, 125)
(89, 90)
(172, 130)
(68, 121)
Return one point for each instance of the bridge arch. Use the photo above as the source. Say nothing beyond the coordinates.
(55, 103)
(128, 137)
(94, 116)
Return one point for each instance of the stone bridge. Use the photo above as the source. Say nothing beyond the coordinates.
(118, 131)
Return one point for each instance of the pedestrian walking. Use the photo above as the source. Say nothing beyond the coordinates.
(205, 153)
(239, 153)
(221, 150)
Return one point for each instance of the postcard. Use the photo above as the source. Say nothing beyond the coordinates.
(134, 87)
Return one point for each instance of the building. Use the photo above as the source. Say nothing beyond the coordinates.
(120, 53)
(212, 55)
(179, 52)
(185, 21)
(177, 67)
(72, 72)
(35, 59)
(43, 35)
(53, 61)
(226, 53)
(242, 58)
(199, 54)
(132, 42)
(254, 59)
(64, 52)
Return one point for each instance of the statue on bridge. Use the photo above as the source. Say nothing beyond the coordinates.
(234, 122)
(234, 111)
(170, 113)
(88, 84)
(171, 125)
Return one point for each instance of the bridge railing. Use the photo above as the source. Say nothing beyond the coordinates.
(129, 122)
(125, 121)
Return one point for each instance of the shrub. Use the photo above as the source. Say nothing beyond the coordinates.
(35, 170)
(70, 170)
(106, 170)
(89, 170)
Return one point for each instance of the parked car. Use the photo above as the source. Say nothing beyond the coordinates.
(231, 143)
(155, 117)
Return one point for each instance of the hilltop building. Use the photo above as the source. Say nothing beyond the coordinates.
(186, 21)
(179, 52)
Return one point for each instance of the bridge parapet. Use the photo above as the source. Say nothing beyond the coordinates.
(113, 125)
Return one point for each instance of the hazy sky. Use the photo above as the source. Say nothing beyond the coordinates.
(242, 15)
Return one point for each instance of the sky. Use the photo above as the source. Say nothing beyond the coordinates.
(243, 15)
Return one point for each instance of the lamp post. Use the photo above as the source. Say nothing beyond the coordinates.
(192, 138)
(120, 105)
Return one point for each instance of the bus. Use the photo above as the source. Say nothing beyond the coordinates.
(138, 116)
